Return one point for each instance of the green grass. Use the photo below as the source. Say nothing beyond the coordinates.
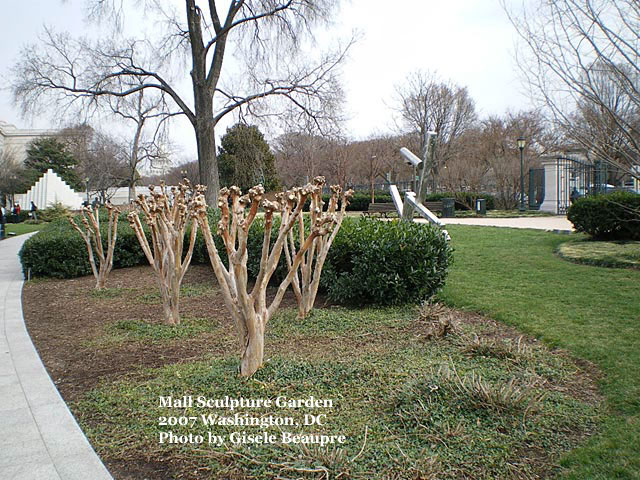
(22, 228)
(594, 312)
(134, 330)
(604, 254)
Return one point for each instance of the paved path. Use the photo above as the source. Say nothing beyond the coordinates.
(39, 438)
(554, 223)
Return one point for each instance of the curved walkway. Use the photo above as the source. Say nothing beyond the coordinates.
(39, 438)
(556, 223)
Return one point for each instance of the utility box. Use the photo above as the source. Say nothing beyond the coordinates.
(481, 206)
(448, 208)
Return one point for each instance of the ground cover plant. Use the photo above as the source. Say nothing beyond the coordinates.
(593, 312)
(601, 253)
(411, 391)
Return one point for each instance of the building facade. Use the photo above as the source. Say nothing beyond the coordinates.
(15, 141)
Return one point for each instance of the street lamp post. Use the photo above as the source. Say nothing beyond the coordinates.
(86, 181)
(521, 143)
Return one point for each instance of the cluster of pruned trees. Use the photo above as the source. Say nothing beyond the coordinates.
(167, 221)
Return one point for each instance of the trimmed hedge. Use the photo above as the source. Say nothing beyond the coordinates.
(370, 262)
(613, 216)
(21, 217)
(386, 263)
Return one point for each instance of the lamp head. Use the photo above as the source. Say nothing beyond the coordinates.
(410, 158)
(521, 143)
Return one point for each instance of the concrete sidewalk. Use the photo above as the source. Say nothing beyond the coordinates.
(39, 438)
(552, 223)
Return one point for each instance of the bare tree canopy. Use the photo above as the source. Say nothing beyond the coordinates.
(426, 103)
(267, 36)
(581, 60)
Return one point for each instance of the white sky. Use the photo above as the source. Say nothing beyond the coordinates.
(470, 42)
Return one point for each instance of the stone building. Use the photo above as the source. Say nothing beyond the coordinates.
(15, 140)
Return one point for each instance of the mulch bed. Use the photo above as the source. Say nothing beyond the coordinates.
(64, 317)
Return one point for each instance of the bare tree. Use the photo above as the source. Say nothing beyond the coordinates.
(248, 307)
(581, 60)
(92, 236)
(497, 147)
(143, 109)
(168, 217)
(14, 178)
(425, 103)
(305, 285)
(260, 31)
(468, 170)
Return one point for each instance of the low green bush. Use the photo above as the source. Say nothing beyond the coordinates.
(613, 216)
(21, 217)
(54, 212)
(386, 263)
(370, 262)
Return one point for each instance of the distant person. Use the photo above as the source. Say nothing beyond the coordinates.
(95, 203)
(17, 207)
(575, 195)
(3, 220)
(34, 211)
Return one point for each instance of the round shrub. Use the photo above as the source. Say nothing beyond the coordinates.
(387, 263)
(613, 216)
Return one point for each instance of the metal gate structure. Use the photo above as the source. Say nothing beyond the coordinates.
(578, 178)
(536, 188)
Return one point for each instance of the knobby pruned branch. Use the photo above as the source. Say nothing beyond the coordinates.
(92, 236)
(249, 307)
(305, 284)
(168, 217)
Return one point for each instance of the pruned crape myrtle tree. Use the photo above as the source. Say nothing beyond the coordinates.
(90, 232)
(168, 217)
(249, 307)
(306, 282)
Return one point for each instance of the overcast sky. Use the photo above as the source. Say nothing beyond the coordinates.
(469, 42)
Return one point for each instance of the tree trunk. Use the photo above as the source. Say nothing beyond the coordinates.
(171, 305)
(101, 280)
(253, 354)
(132, 191)
(206, 142)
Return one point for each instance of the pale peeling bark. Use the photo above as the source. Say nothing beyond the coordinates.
(167, 217)
(90, 232)
(305, 284)
(248, 307)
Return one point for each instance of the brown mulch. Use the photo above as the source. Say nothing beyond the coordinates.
(62, 314)
(65, 318)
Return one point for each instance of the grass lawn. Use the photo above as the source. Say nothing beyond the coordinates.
(22, 228)
(594, 312)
